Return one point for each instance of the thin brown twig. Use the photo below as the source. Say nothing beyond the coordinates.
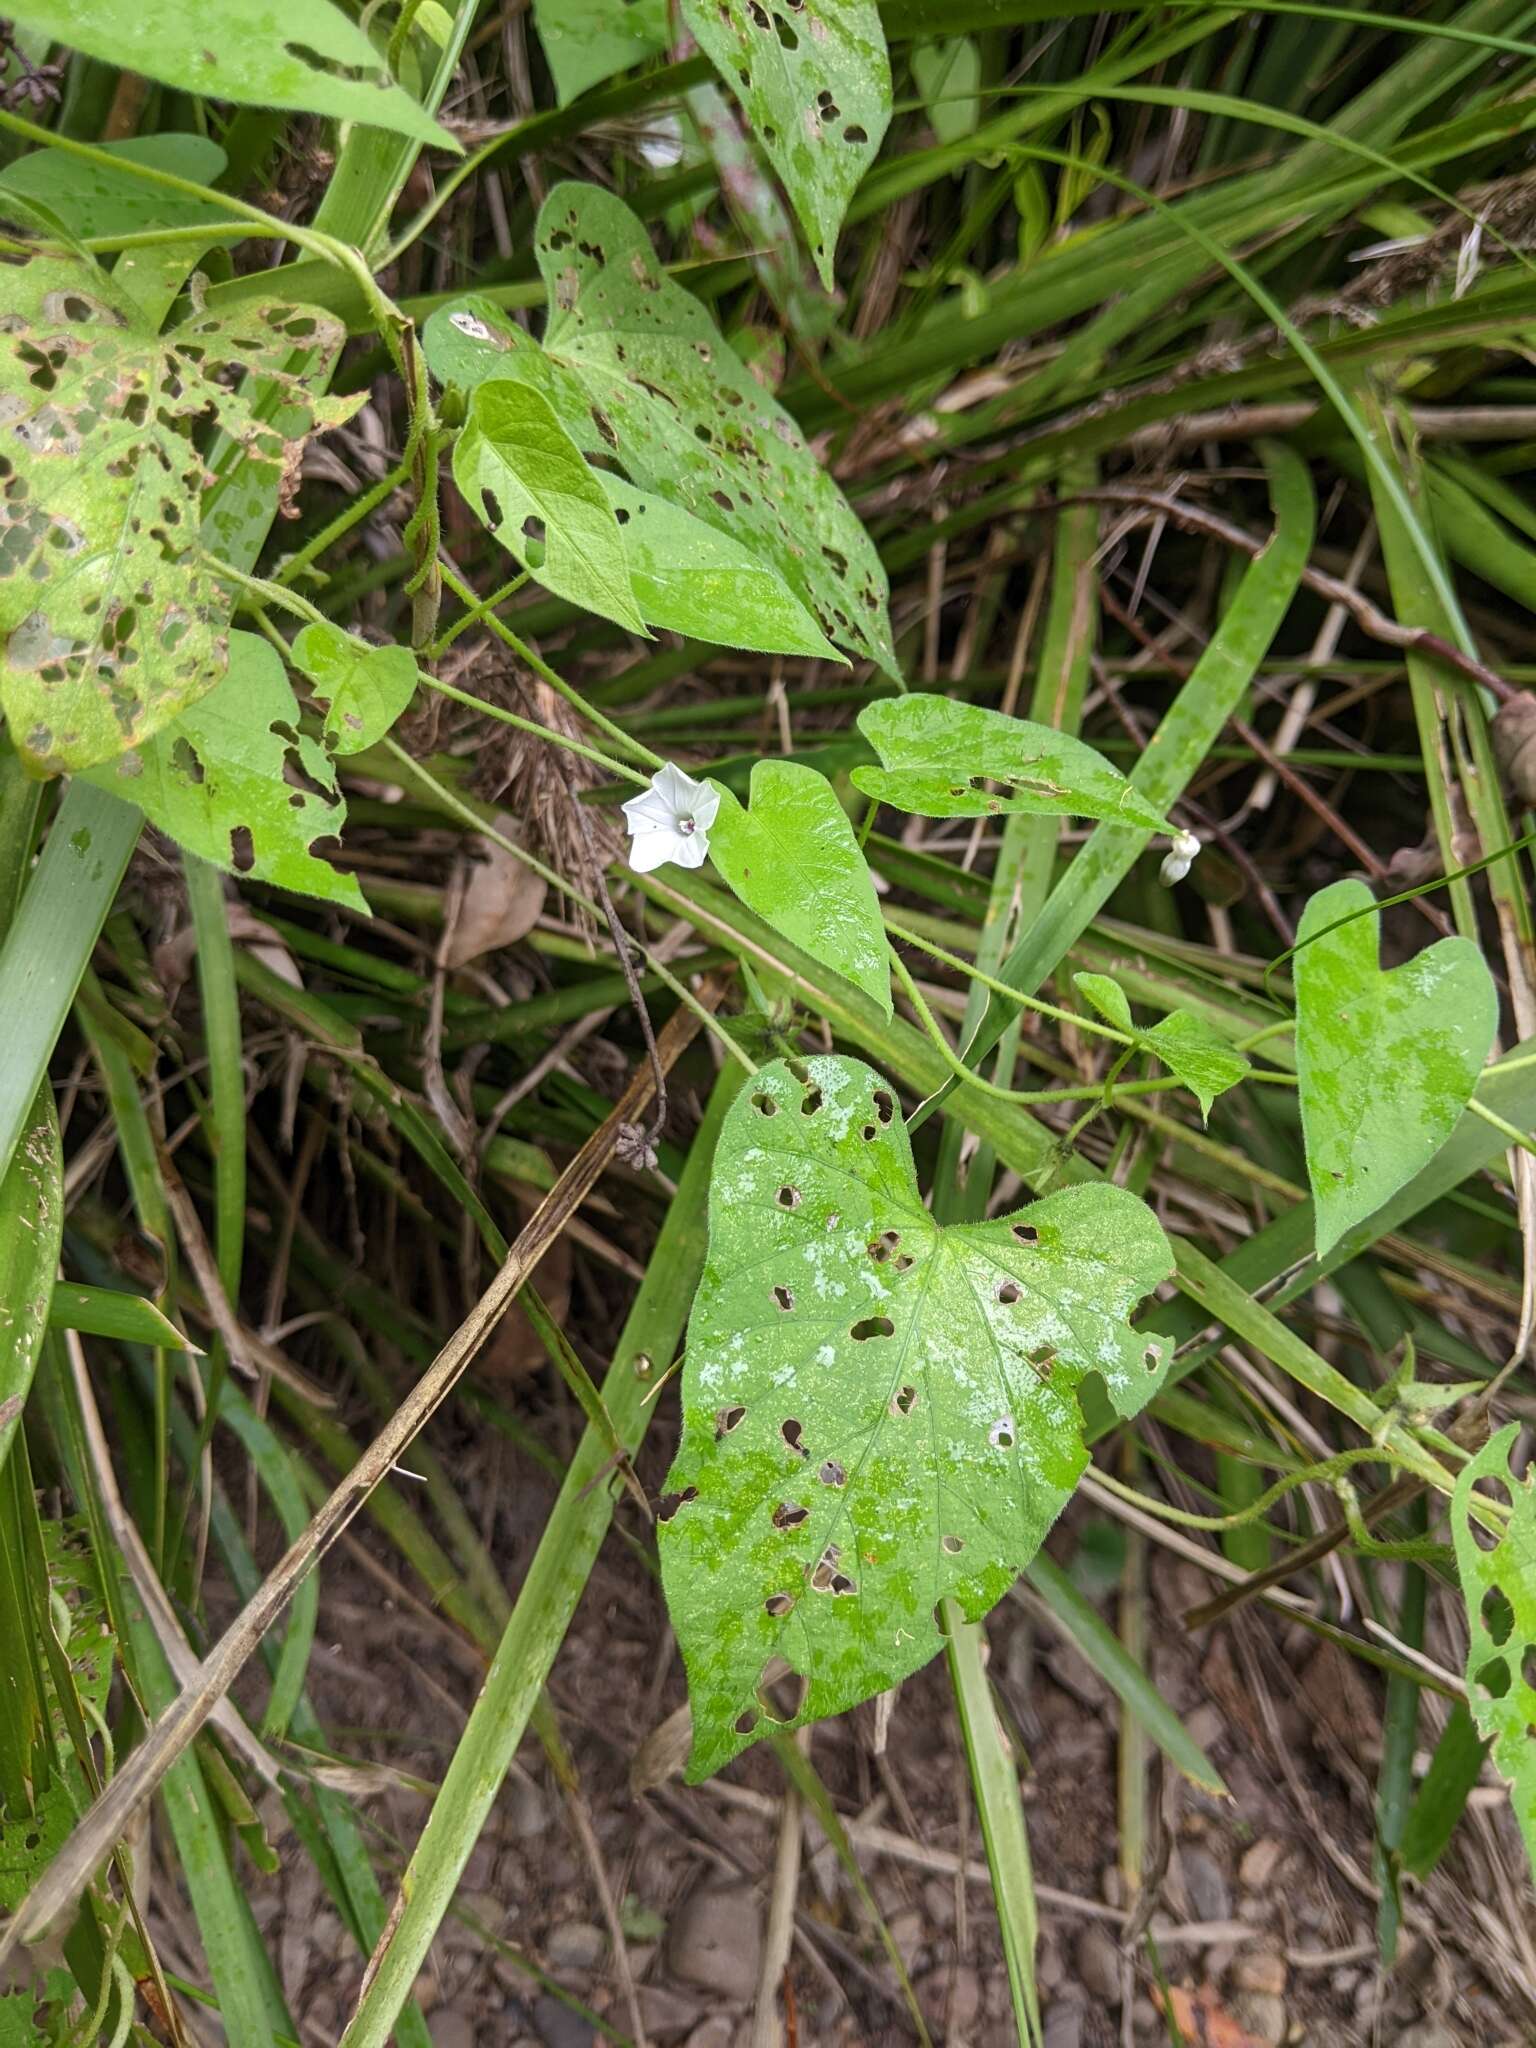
(1367, 616)
(173, 1732)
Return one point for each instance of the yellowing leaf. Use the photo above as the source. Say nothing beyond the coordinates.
(216, 781)
(111, 618)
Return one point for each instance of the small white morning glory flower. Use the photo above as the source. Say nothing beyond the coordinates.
(1177, 863)
(670, 821)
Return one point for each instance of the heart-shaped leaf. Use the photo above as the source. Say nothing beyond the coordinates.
(216, 780)
(794, 860)
(1194, 1053)
(669, 398)
(586, 41)
(1498, 1583)
(520, 471)
(1385, 1063)
(815, 82)
(947, 759)
(694, 579)
(639, 375)
(363, 688)
(111, 618)
(878, 1414)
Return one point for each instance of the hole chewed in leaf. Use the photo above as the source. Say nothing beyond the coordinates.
(1024, 1233)
(778, 1605)
(784, 1298)
(669, 1503)
(872, 1326)
(885, 1105)
(952, 1545)
(1008, 1292)
(788, 1197)
(1494, 1678)
(764, 1104)
(890, 1389)
(727, 1419)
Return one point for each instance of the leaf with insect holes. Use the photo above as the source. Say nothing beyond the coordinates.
(815, 82)
(640, 376)
(694, 579)
(1498, 1583)
(519, 470)
(363, 688)
(878, 1413)
(1194, 1053)
(304, 54)
(215, 781)
(945, 759)
(688, 573)
(1385, 1062)
(111, 617)
(588, 41)
(794, 860)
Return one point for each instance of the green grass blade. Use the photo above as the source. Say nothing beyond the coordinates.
(1191, 726)
(1102, 1648)
(50, 939)
(547, 1598)
(994, 1776)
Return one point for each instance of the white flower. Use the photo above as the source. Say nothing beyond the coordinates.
(1176, 864)
(670, 821)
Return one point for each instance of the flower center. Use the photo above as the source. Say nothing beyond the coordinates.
(687, 825)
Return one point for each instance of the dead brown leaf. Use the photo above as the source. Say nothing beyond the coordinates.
(502, 904)
(1203, 2019)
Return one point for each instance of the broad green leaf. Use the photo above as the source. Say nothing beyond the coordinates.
(1190, 1048)
(363, 688)
(87, 197)
(111, 1312)
(91, 198)
(112, 619)
(794, 860)
(217, 781)
(948, 76)
(1108, 998)
(673, 403)
(304, 54)
(815, 81)
(1385, 1063)
(878, 1412)
(941, 758)
(1195, 1053)
(31, 1227)
(697, 580)
(587, 41)
(519, 471)
(1498, 1583)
